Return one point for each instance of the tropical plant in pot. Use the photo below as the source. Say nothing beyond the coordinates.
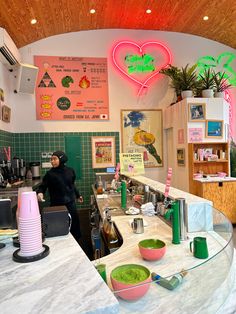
(221, 84)
(206, 83)
(172, 72)
(187, 80)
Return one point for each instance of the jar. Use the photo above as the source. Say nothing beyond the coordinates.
(100, 186)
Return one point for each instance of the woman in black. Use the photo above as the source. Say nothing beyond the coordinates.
(60, 182)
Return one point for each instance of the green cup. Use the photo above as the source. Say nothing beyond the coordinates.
(199, 247)
(101, 268)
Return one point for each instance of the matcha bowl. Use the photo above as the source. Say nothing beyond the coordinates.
(130, 281)
(152, 249)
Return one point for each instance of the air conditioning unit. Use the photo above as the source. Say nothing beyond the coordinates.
(9, 54)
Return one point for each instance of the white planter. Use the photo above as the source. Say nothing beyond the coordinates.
(186, 94)
(219, 94)
(207, 93)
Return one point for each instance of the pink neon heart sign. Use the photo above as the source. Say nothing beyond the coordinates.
(141, 49)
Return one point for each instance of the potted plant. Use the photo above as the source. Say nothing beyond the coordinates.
(206, 83)
(221, 84)
(172, 72)
(187, 80)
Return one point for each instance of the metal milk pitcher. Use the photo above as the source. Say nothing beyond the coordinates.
(137, 225)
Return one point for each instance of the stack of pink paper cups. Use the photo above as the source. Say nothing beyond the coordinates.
(29, 228)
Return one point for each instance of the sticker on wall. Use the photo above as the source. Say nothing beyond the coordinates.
(140, 64)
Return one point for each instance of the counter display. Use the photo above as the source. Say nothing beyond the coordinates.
(207, 283)
(63, 282)
(67, 282)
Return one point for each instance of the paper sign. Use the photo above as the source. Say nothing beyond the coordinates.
(195, 135)
(131, 164)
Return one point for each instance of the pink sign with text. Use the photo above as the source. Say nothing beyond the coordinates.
(71, 88)
(195, 135)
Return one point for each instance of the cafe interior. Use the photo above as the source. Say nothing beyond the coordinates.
(141, 96)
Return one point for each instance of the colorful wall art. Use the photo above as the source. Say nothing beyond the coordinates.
(71, 88)
(142, 133)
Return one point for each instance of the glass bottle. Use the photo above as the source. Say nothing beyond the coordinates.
(100, 186)
(106, 226)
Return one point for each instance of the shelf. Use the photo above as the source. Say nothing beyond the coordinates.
(205, 166)
(211, 161)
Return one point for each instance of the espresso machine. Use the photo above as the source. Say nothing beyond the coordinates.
(18, 168)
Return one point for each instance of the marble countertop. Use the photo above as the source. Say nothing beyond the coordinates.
(204, 281)
(173, 193)
(63, 282)
(195, 295)
(215, 179)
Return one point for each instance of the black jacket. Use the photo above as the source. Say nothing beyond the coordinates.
(60, 183)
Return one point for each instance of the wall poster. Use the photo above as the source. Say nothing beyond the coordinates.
(142, 133)
(103, 151)
(71, 88)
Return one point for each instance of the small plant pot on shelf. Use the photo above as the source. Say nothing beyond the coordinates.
(207, 93)
(186, 94)
(219, 94)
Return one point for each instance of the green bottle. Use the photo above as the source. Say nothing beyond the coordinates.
(123, 194)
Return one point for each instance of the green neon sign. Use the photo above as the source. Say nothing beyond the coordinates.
(224, 60)
(139, 64)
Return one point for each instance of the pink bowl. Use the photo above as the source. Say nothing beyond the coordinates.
(130, 281)
(152, 249)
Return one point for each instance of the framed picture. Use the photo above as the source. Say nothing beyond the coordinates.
(6, 113)
(141, 132)
(103, 151)
(197, 112)
(180, 156)
(1, 94)
(214, 128)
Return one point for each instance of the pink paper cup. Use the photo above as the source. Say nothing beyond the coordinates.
(29, 205)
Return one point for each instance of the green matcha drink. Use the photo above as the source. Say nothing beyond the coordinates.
(130, 274)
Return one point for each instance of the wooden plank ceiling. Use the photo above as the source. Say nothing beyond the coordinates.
(63, 16)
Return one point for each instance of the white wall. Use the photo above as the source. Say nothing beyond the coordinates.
(122, 94)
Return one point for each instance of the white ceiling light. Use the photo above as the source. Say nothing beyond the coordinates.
(33, 21)
(148, 11)
(92, 11)
(205, 18)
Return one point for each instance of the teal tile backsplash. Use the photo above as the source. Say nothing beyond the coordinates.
(30, 146)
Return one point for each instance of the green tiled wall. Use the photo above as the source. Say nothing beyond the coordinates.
(29, 146)
(6, 139)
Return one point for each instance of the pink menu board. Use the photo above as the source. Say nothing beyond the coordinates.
(71, 88)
